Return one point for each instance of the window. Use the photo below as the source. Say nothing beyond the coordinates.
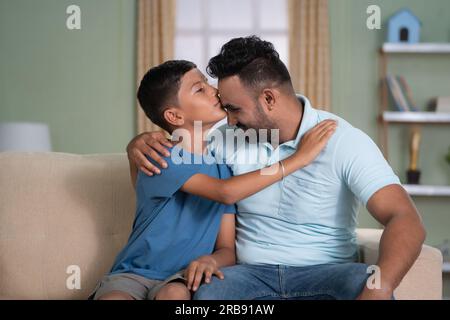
(203, 26)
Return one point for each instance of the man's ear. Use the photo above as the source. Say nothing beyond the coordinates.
(268, 99)
(174, 116)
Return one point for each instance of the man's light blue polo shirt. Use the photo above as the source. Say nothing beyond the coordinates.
(310, 217)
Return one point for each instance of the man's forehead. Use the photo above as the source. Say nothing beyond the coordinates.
(230, 81)
(229, 87)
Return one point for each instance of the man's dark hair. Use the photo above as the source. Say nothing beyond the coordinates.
(159, 87)
(255, 61)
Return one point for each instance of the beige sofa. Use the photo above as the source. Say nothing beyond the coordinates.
(63, 218)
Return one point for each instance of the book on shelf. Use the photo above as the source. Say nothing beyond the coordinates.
(406, 89)
(400, 93)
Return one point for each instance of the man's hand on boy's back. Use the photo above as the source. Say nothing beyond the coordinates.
(154, 144)
(201, 268)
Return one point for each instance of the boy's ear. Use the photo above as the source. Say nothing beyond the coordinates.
(174, 116)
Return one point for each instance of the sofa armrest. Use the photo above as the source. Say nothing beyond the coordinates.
(422, 282)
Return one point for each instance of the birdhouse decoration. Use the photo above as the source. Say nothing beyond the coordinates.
(404, 27)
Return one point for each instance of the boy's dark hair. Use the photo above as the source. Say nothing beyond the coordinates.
(255, 61)
(159, 87)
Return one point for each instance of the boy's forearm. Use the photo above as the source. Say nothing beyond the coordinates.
(243, 186)
(224, 257)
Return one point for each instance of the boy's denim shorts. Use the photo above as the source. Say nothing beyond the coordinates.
(140, 288)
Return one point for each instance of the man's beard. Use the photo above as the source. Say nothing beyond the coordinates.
(261, 122)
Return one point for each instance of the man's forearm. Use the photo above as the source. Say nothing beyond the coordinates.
(400, 245)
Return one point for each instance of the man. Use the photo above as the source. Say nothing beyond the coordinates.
(296, 239)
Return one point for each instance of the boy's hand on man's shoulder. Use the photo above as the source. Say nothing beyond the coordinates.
(201, 268)
(315, 140)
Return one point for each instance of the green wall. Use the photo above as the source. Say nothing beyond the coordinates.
(80, 82)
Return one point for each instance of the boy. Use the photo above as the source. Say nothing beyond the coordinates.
(184, 230)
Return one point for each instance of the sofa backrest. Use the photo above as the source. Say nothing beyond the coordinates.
(61, 216)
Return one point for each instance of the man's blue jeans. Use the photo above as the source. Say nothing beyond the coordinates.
(274, 282)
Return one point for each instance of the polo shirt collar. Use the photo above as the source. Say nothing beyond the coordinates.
(309, 119)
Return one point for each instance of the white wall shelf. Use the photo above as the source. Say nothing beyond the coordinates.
(427, 191)
(416, 48)
(416, 117)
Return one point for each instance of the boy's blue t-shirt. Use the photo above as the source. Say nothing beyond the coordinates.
(171, 227)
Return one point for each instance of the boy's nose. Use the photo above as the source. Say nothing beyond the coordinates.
(232, 121)
(213, 91)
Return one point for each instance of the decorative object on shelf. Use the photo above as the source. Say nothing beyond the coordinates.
(439, 104)
(24, 136)
(400, 93)
(413, 173)
(404, 26)
(443, 104)
(431, 105)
